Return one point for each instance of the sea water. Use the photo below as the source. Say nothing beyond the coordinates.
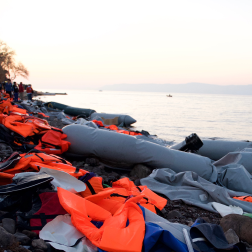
(170, 118)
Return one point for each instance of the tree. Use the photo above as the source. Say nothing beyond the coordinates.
(9, 69)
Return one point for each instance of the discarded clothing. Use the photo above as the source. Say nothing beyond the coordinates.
(210, 238)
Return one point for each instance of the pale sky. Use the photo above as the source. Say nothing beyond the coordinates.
(83, 44)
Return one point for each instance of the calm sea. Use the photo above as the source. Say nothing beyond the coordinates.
(171, 118)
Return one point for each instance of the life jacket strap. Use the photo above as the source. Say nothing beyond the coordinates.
(90, 187)
(118, 195)
(138, 188)
(58, 130)
(42, 216)
(50, 144)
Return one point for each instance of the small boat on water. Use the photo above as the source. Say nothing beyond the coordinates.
(169, 95)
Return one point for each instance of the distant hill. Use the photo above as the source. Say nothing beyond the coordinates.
(183, 88)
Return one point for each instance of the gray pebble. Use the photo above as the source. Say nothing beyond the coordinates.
(39, 244)
(174, 213)
(9, 225)
(231, 236)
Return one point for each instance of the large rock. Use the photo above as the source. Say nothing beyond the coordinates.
(240, 224)
(9, 225)
(174, 214)
(7, 240)
(140, 171)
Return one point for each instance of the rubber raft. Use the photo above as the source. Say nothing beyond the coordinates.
(216, 148)
(113, 119)
(108, 119)
(73, 111)
(129, 150)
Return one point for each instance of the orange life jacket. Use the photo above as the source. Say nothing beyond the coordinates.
(28, 161)
(26, 125)
(6, 107)
(111, 198)
(6, 95)
(5, 178)
(52, 142)
(35, 161)
(150, 199)
(2, 116)
(244, 198)
(16, 109)
(115, 128)
(124, 231)
(93, 186)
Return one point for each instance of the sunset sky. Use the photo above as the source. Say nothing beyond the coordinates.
(88, 44)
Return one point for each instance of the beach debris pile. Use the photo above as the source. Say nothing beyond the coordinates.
(85, 181)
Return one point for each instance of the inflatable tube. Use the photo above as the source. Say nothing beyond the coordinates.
(73, 111)
(120, 148)
(77, 111)
(243, 157)
(218, 148)
(116, 119)
(55, 105)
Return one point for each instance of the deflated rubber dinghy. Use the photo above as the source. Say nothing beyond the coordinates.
(214, 148)
(113, 119)
(55, 105)
(124, 149)
(217, 148)
(73, 111)
(243, 157)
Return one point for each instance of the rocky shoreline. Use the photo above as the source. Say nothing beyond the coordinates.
(13, 239)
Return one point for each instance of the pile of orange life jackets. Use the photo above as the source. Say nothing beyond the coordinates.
(115, 128)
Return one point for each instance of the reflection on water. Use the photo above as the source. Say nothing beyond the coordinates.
(171, 118)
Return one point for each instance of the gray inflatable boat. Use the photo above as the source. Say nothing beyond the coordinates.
(128, 150)
(113, 119)
(215, 148)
